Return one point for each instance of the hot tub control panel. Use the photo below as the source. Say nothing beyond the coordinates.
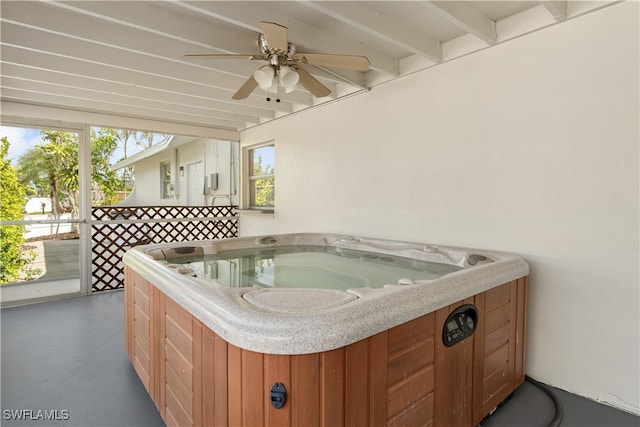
(459, 324)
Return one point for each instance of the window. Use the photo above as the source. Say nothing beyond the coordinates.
(165, 180)
(262, 177)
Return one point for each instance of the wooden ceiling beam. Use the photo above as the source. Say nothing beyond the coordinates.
(304, 36)
(467, 18)
(371, 22)
(557, 9)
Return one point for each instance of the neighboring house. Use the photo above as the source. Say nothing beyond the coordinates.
(184, 171)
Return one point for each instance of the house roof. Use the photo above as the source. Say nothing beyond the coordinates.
(126, 59)
(174, 142)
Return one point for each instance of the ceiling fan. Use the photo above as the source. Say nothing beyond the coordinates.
(283, 68)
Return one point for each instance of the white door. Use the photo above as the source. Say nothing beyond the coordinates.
(195, 184)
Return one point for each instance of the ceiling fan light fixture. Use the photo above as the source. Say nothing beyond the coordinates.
(288, 77)
(264, 76)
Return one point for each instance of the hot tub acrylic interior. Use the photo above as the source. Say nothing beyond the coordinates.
(311, 329)
(305, 266)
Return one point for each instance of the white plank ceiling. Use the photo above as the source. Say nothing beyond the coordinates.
(125, 58)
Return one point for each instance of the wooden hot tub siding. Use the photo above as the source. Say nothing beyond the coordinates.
(404, 376)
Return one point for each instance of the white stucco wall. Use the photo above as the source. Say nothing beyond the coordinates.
(146, 191)
(528, 147)
(215, 157)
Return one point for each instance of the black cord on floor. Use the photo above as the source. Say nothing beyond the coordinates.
(556, 402)
(559, 408)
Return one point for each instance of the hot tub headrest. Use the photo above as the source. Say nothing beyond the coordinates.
(180, 251)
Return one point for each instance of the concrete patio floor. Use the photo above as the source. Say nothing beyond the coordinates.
(68, 355)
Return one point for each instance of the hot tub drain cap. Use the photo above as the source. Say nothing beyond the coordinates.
(278, 395)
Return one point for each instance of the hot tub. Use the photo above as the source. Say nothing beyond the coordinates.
(316, 328)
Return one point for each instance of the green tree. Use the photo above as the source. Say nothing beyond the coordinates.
(12, 201)
(32, 178)
(264, 187)
(104, 181)
(51, 168)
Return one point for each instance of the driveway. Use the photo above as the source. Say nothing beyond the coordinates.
(56, 258)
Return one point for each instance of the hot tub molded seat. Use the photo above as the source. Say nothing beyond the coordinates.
(297, 301)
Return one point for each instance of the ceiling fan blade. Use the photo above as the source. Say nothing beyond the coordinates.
(328, 60)
(310, 83)
(276, 35)
(222, 56)
(246, 89)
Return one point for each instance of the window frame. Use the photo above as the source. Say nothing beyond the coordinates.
(250, 179)
(165, 180)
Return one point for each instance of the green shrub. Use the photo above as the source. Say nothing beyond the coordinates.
(12, 257)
